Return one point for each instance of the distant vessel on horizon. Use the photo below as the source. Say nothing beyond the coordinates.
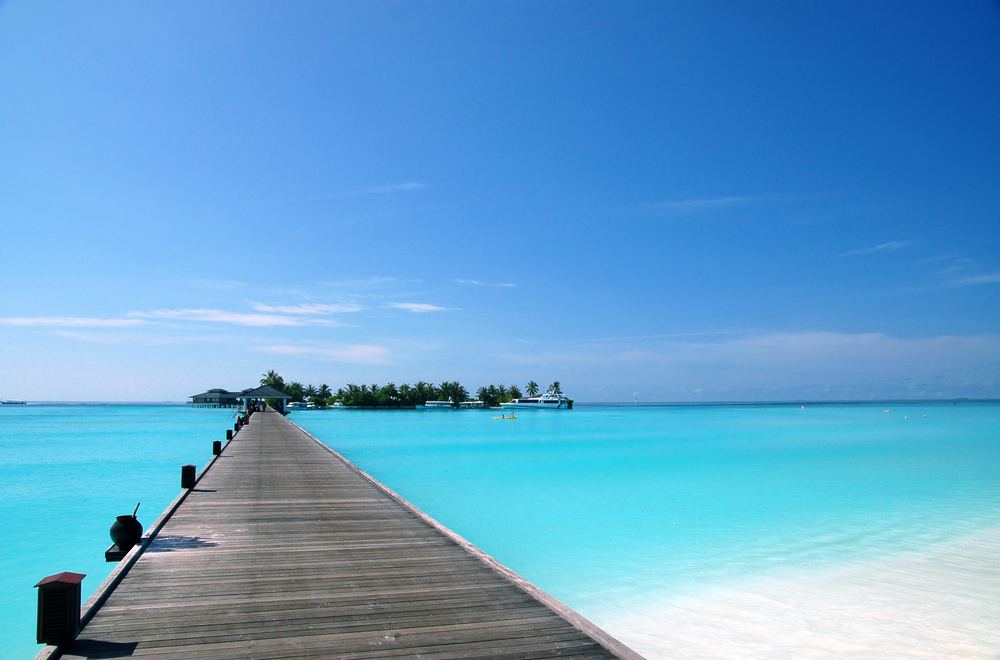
(7, 402)
(439, 404)
(545, 401)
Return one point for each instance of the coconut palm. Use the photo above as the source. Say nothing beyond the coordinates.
(531, 388)
(273, 379)
(453, 391)
(554, 388)
(294, 390)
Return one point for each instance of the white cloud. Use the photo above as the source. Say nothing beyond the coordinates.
(419, 308)
(70, 322)
(219, 285)
(309, 308)
(354, 354)
(378, 190)
(477, 283)
(222, 316)
(890, 246)
(993, 278)
(143, 339)
(703, 204)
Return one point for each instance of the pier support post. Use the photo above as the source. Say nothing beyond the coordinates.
(58, 607)
(216, 447)
(187, 476)
(229, 434)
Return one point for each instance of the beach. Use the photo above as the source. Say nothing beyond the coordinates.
(943, 602)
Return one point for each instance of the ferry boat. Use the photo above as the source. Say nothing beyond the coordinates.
(12, 403)
(301, 405)
(545, 401)
(439, 404)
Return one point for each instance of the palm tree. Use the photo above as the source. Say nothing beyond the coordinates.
(554, 388)
(531, 388)
(453, 391)
(294, 390)
(514, 393)
(423, 392)
(324, 392)
(273, 379)
(310, 391)
(387, 395)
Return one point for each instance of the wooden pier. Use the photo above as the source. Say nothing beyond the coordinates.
(285, 550)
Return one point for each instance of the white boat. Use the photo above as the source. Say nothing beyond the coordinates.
(12, 403)
(439, 404)
(298, 405)
(544, 402)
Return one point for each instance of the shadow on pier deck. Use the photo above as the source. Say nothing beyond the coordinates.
(284, 550)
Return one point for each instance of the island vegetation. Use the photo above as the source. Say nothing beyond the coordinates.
(403, 396)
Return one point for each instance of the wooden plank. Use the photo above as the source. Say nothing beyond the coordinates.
(285, 550)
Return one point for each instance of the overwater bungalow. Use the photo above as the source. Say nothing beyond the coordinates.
(216, 398)
(220, 398)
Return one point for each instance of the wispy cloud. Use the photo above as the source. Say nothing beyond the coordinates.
(993, 278)
(354, 354)
(219, 285)
(890, 246)
(419, 308)
(308, 308)
(365, 192)
(478, 283)
(371, 282)
(236, 318)
(140, 338)
(70, 322)
(689, 205)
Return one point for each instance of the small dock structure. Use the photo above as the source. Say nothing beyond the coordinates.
(283, 549)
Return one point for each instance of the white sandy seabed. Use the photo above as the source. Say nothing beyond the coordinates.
(943, 602)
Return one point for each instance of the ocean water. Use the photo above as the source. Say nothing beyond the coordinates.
(669, 526)
(715, 531)
(67, 472)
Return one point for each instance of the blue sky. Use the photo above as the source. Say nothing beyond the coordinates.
(690, 201)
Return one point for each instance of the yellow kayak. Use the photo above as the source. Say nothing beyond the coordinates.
(506, 417)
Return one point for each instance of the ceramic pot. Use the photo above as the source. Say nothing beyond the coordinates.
(126, 532)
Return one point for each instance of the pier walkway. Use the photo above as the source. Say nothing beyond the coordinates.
(285, 550)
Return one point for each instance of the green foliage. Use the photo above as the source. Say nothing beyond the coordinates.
(274, 380)
(404, 396)
(494, 395)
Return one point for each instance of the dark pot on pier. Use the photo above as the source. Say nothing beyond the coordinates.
(126, 532)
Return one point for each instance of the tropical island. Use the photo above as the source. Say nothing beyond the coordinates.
(372, 396)
(403, 396)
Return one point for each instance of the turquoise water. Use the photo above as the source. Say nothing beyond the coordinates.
(67, 472)
(607, 508)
